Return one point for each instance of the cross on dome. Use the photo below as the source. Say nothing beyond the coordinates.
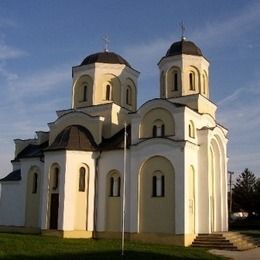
(106, 43)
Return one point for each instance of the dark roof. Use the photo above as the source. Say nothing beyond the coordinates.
(117, 140)
(183, 47)
(74, 137)
(32, 150)
(13, 176)
(105, 57)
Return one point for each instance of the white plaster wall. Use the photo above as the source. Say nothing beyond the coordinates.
(13, 199)
(58, 157)
(174, 153)
(74, 160)
(12, 204)
(111, 160)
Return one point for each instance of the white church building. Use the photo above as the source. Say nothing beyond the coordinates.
(69, 180)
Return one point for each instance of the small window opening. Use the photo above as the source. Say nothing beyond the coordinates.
(192, 81)
(82, 179)
(115, 186)
(56, 179)
(158, 185)
(108, 92)
(128, 96)
(85, 93)
(175, 81)
(35, 183)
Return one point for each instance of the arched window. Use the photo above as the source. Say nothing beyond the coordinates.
(192, 80)
(82, 179)
(175, 80)
(115, 186)
(191, 130)
(85, 92)
(108, 92)
(55, 179)
(35, 183)
(158, 185)
(128, 95)
(158, 128)
(204, 84)
(162, 79)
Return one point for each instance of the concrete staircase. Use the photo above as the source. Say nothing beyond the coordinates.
(225, 241)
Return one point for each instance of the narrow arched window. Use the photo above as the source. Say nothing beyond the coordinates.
(82, 179)
(162, 79)
(85, 92)
(154, 131)
(35, 183)
(162, 130)
(55, 179)
(108, 92)
(191, 130)
(204, 84)
(175, 80)
(192, 80)
(115, 186)
(158, 185)
(128, 95)
(158, 128)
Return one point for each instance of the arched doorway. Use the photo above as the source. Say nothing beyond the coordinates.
(54, 196)
(157, 196)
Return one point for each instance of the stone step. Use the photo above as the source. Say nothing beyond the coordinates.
(225, 240)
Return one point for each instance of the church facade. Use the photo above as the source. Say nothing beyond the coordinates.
(69, 180)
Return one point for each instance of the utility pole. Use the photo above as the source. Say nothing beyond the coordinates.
(230, 191)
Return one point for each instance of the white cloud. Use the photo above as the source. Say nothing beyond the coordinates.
(240, 112)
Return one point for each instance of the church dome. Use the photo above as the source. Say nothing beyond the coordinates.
(183, 47)
(105, 57)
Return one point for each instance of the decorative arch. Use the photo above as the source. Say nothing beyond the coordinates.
(82, 196)
(193, 79)
(162, 84)
(83, 91)
(33, 192)
(113, 199)
(191, 129)
(110, 89)
(156, 122)
(130, 94)
(157, 196)
(54, 187)
(215, 181)
(204, 85)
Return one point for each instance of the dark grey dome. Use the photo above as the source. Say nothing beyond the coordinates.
(105, 57)
(183, 47)
(74, 137)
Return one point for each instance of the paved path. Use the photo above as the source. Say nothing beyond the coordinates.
(252, 254)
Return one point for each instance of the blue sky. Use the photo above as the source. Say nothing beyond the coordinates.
(41, 40)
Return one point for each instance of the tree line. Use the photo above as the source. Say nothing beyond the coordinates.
(246, 193)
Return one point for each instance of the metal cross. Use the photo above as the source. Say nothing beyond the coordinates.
(182, 30)
(106, 42)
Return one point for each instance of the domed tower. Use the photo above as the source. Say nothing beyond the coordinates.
(104, 77)
(183, 71)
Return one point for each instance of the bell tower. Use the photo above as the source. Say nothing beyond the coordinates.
(102, 78)
(183, 71)
(184, 77)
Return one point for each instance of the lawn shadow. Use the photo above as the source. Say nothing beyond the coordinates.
(108, 255)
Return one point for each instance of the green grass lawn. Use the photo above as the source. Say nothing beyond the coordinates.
(16, 246)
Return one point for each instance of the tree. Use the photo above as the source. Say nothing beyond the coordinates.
(244, 192)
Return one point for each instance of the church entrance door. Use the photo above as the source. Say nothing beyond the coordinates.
(54, 211)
